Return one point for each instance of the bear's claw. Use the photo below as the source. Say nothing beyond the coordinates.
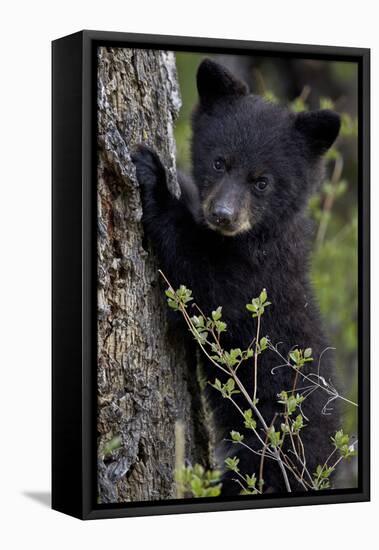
(149, 169)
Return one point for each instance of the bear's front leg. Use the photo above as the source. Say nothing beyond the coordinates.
(167, 221)
(151, 176)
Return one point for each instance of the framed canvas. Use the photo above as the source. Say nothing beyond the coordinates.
(210, 275)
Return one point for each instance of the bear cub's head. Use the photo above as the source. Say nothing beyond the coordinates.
(255, 163)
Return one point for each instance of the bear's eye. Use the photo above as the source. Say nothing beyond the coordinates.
(261, 184)
(219, 164)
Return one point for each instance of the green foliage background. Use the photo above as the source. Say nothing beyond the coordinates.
(302, 84)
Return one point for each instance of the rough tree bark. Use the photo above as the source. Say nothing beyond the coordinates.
(144, 382)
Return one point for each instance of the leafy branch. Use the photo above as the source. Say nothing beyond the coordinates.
(291, 459)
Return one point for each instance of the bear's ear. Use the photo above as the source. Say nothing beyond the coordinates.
(319, 128)
(214, 81)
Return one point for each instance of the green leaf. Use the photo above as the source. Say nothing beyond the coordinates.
(298, 423)
(230, 385)
(308, 353)
(236, 436)
(196, 486)
(284, 397)
(249, 492)
(232, 464)
(217, 384)
(340, 439)
(263, 343)
(184, 294)
(198, 482)
(274, 437)
(249, 423)
(294, 355)
(198, 321)
(198, 470)
(326, 103)
(112, 445)
(251, 481)
(321, 477)
(270, 97)
(342, 443)
(291, 404)
(220, 326)
(227, 390)
(248, 353)
(298, 105)
(216, 315)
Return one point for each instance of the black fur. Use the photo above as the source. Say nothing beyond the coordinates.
(254, 139)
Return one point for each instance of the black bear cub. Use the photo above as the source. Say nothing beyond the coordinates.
(241, 226)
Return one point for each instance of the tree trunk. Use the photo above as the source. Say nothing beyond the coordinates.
(144, 382)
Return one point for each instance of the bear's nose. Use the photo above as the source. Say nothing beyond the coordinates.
(222, 215)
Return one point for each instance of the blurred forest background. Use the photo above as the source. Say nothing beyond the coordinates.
(304, 84)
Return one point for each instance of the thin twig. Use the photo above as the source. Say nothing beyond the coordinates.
(326, 387)
(256, 359)
(264, 451)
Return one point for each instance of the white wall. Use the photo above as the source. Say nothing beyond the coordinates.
(26, 31)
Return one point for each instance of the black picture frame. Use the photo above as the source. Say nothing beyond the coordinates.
(74, 273)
